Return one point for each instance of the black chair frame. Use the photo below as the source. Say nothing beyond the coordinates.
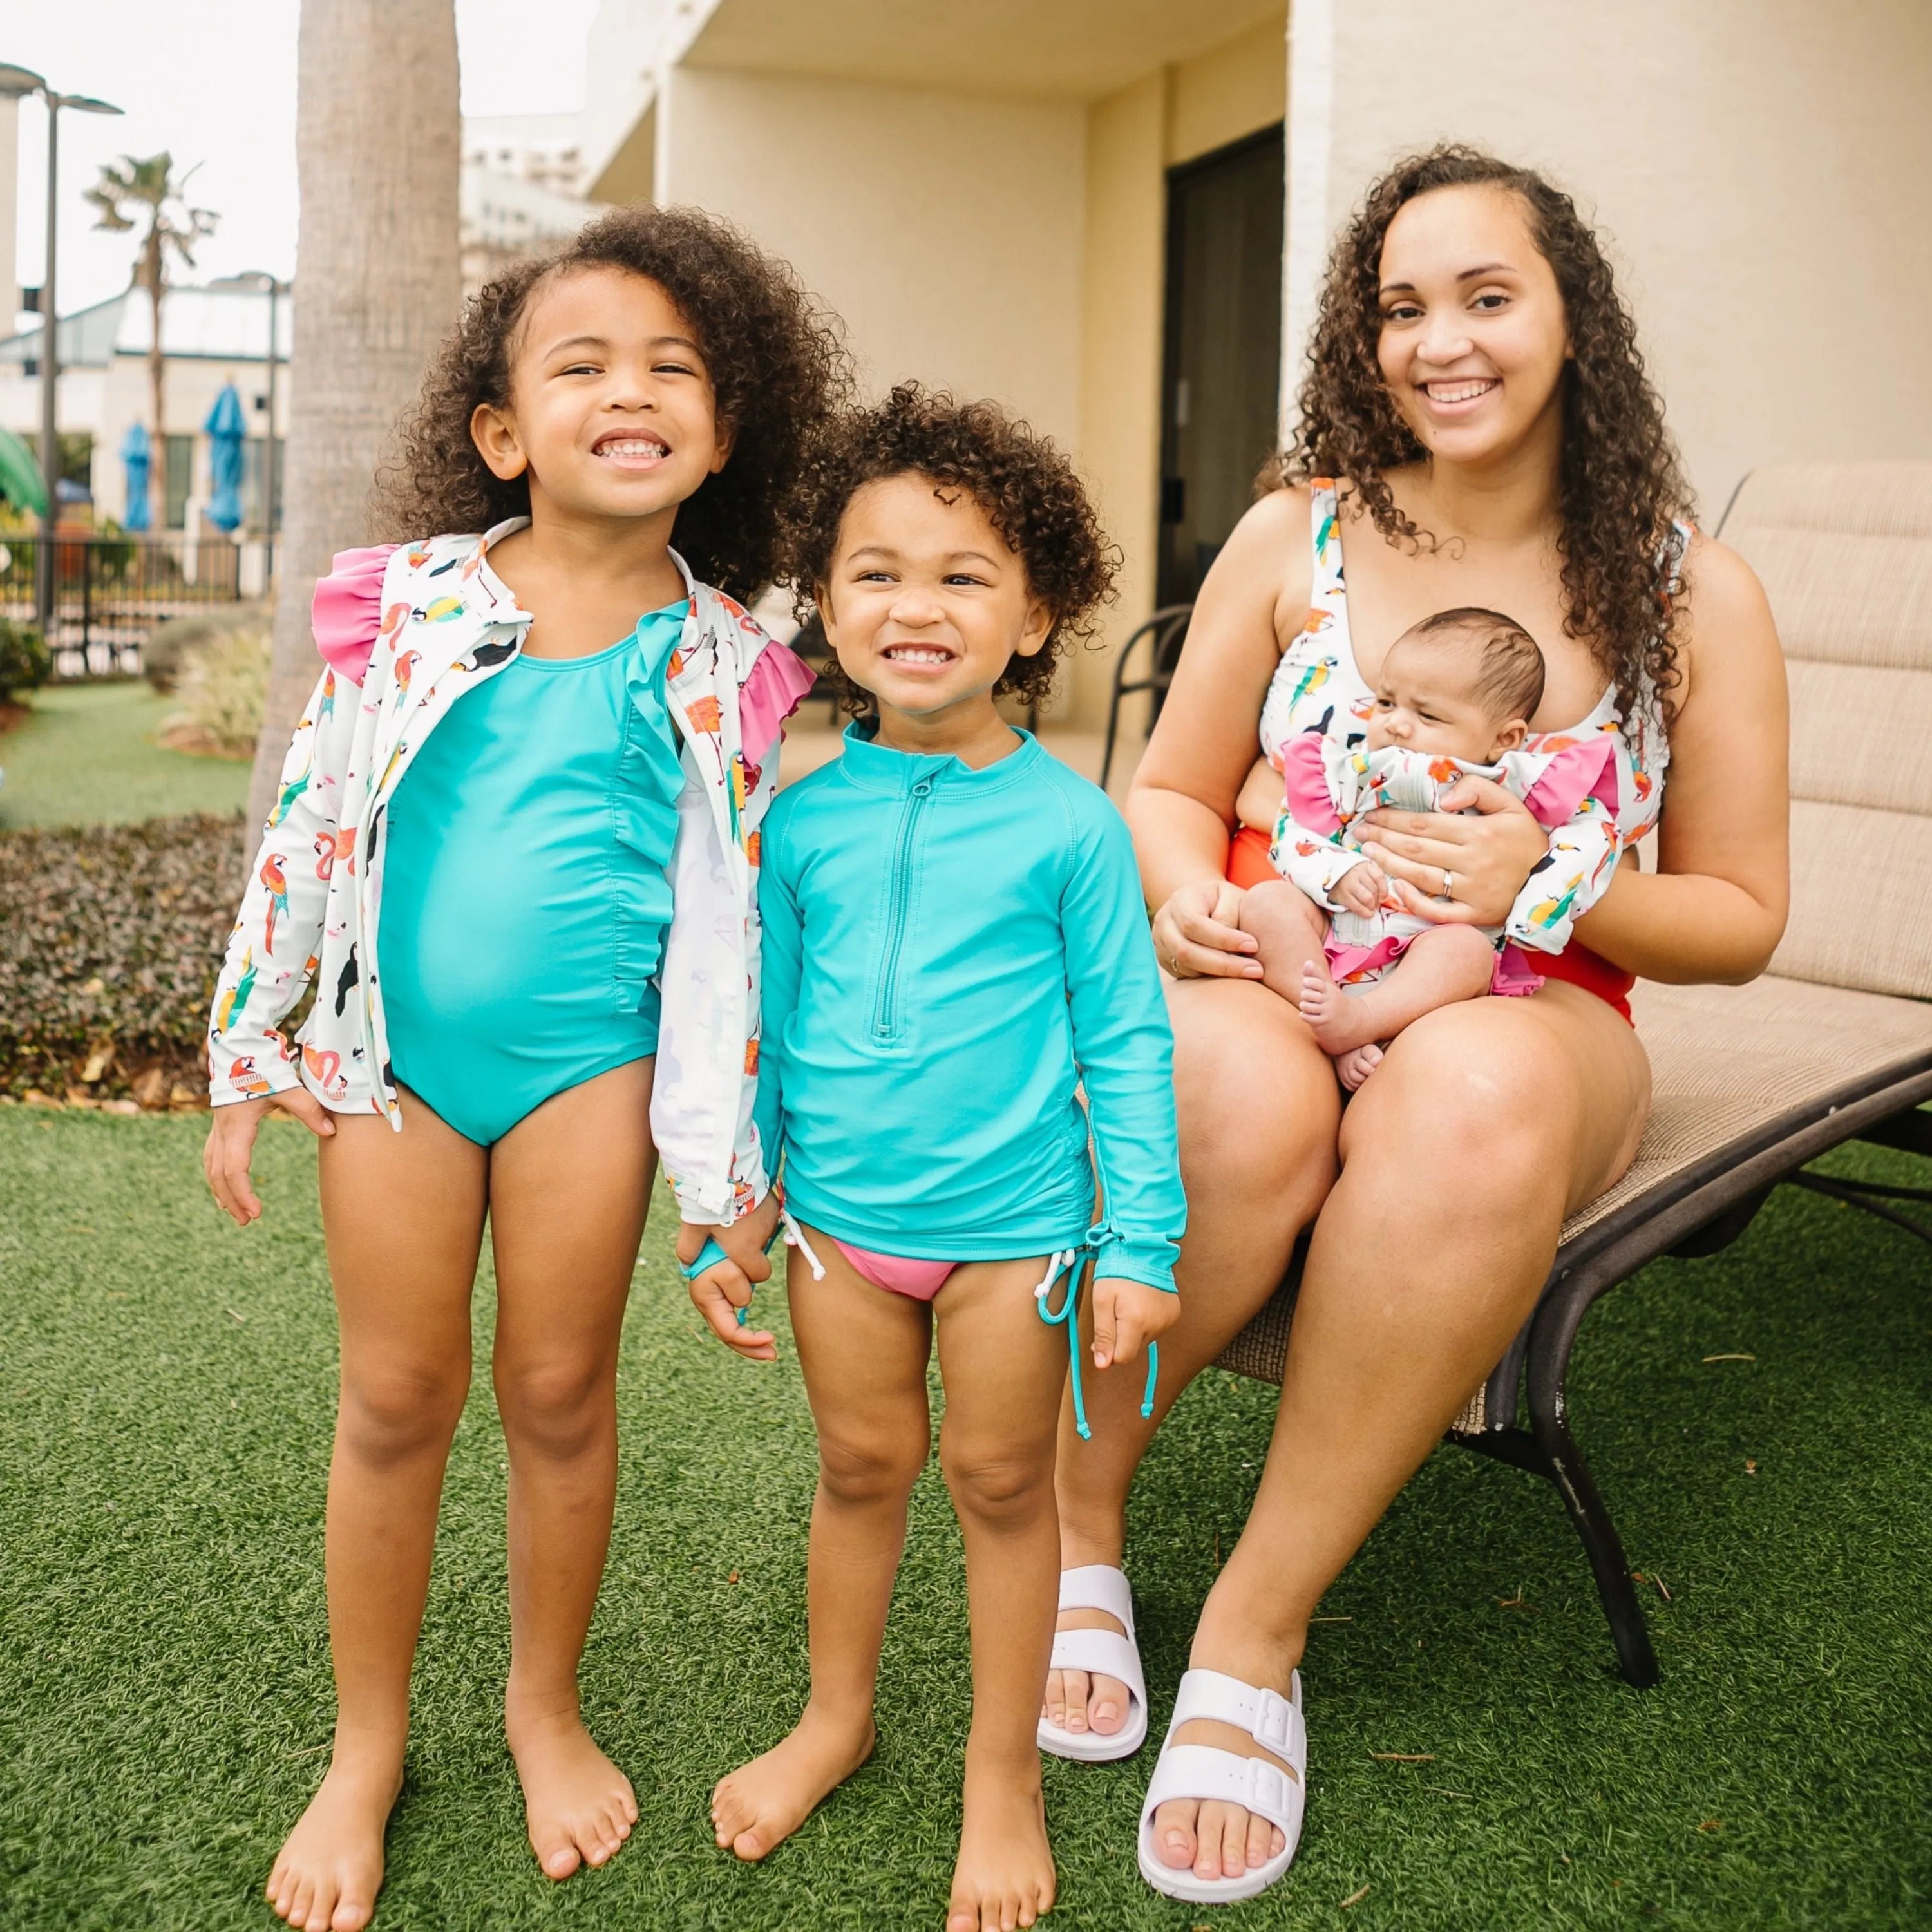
(1167, 631)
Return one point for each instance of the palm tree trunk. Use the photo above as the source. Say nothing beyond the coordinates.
(150, 274)
(378, 144)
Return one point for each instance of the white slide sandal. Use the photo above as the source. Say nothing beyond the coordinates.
(1206, 1772)
(1099, 1586)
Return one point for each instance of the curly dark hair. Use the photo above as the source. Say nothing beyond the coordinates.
(1620, 487)
(1027, 487)
(777, 362)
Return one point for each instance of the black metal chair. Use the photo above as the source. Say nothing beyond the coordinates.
(1834, 1044)
(1166, 631)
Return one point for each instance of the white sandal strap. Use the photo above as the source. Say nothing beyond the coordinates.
(1206, 1772)
(1273, 1721)
(1102, 1651)
(1098, 1586)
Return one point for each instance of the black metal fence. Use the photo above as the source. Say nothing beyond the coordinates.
(110, 592)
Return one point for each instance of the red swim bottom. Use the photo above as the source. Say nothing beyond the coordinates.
(921, 1280)
(1249, 865)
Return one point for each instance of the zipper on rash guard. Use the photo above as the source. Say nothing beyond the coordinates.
(886, 1012)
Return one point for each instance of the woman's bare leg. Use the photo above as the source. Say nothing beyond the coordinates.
(1257, 1108)
(568, 1187)
(863, 1351)
(1486, 1123)
(404, 1216)
(1003, 1368)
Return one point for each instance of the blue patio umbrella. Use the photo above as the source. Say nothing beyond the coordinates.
(135, 456)
(226, 427)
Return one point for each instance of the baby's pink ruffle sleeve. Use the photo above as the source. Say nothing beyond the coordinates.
(347, 610)
(1305, 778)
(1584, 767)
(776, 688)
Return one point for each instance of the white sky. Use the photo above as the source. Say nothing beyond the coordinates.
(213, 82)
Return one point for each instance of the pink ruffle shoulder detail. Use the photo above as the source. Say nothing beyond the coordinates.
(347, 609)
(776, 688)
(1305, 778)
(1578, 768)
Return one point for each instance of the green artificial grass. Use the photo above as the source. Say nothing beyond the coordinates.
(87, 756)
(166, 1394)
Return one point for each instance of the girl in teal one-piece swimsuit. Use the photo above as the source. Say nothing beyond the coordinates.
(526, 896)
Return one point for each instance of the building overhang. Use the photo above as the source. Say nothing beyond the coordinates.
(1051, 49)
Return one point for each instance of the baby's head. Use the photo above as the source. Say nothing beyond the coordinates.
(1462, 684)
(952, 553)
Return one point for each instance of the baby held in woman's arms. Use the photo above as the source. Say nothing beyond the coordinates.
(1453, 701)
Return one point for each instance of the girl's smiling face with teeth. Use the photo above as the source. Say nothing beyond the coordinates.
(926, 605)
(1473, 338)
(610, 411)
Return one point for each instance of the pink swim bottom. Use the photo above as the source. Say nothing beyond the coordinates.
(922, 1280)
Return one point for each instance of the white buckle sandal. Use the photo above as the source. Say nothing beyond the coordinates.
(1099, 1586)
(1206, 1772)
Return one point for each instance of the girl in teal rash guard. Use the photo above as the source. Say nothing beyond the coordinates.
(954, 948)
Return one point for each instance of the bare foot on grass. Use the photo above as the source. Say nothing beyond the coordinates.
(761, 1804)
(328, 1872)
(1355, 1066)
(1005, 1876)
(1338, 1022)
(579, 1806)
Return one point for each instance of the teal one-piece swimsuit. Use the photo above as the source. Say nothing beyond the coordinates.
(525, 892)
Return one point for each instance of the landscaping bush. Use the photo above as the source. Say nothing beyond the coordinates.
(110, 940)
(223, 686)
(25, 664)
(171, 642)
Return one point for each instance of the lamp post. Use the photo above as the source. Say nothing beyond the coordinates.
(262, 279)
(15, 82)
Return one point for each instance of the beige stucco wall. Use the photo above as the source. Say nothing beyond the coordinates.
(1761, 170)
(1171, 115)
(945, 228)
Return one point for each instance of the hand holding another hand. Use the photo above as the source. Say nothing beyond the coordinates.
(725, 1288)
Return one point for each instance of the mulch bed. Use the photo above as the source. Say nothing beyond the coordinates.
(110, 940)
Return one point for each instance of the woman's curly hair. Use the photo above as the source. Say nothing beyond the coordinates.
(777, 363)
(1620, 486)
(1027, 488)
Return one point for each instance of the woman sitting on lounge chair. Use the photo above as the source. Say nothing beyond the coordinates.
(1475, 395)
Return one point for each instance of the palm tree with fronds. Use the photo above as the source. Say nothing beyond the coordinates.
(149, 188)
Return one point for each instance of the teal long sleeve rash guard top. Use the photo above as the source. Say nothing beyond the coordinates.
(948, 954)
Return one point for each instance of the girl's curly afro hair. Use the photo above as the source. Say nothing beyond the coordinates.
(1620, 486)
(1027, 487)
(778, 368)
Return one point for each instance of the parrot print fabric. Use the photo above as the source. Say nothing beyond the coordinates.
(404, 631)
(1597, 788)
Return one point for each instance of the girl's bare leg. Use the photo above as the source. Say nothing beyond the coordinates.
(403, 1215)
(1452, 963)
(1003, 1368)
(1487, 1122)
(863, 1351)
(568, 1187)
(1258, 1108)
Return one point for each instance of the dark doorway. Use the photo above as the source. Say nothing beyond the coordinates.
(1219, 408)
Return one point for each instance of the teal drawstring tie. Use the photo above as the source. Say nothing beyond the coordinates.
(1071, 1262)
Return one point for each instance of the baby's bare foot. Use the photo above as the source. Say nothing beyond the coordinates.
(327, 1874)
(761, 1804)
(1355, 1066)
(1338, 1022)
(579, 1806)
(1005, 1877)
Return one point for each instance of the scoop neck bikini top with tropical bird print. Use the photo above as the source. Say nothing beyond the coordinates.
(1318, 688)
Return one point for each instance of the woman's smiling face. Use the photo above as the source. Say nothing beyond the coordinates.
(1473, 337)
